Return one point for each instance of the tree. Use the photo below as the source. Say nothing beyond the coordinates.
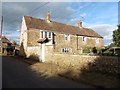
(116, 36)
(14, 43)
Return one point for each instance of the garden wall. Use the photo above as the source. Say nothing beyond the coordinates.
(103, 64)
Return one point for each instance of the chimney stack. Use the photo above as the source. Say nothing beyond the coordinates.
(80, 24)
(49, 16)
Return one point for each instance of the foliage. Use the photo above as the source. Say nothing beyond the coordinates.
(111, 45)
(87, 49)
(116, 37)
(14, 43)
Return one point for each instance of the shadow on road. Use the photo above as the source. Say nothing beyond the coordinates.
(16, 74)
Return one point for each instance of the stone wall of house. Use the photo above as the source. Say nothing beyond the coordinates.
(90, 42)
(103, 64)
(60, 43)
(23, 38)
(23, 43)
(100, 44)
(33, 37)
(75, 43)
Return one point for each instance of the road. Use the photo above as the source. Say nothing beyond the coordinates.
(18, 74)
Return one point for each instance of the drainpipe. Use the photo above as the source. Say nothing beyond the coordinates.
(53, 41)
(77, 42)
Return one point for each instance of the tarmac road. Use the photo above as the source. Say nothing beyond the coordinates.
(17, 74)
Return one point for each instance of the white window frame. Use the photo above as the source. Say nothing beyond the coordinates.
(66, 50)
(67, 37)
(46, 34)
(97, 40)
(83, 39)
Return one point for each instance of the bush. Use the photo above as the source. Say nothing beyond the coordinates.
(87, 49)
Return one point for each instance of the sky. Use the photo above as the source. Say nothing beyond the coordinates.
(102, 16)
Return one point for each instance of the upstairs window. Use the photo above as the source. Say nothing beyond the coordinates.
(49, 35)
(84, 39)
(41, 34)
(97, 40)
(46, 34)
(67, 37)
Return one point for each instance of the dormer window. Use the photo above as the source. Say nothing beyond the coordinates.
(46, 34)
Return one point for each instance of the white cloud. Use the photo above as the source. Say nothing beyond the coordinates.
(18, 30)
(76, 19)
(83, 15)
(11, 36)
(18, 9)
(105, 30)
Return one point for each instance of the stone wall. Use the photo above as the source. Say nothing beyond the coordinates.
(34, 52)
(23, 38)
(103, 64)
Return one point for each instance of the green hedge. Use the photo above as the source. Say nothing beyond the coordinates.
(89, 49)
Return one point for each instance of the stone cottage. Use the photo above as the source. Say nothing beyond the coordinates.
(40, 37)
(3, 43)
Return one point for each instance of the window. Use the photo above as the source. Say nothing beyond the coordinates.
(67, 37)
(66, 50)
(97, 40)
(84, 39)
(41, 34)
(49, 34)
(46, 34)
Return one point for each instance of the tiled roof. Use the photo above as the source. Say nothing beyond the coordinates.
(58, 27)
(4, 39)
(90, 32)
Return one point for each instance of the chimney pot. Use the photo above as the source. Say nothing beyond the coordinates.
(80, 24)
(49, 16)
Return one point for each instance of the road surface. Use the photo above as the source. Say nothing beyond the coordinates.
(17, 74)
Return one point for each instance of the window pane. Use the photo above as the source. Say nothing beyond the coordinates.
(41, 34)
(49, 34)
(63, 50)
(84, 39)
(45, 34)
(97, 40)
(66, 36)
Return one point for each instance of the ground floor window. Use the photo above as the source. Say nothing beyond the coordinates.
(66, 50)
